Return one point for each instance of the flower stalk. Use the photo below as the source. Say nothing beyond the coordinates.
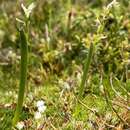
(23, 75)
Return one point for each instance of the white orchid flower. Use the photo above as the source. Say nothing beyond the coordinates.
(28, 10)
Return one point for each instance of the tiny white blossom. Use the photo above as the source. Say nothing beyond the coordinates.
(40, 103)
(37, 115)
(41, 106)
(20, 125)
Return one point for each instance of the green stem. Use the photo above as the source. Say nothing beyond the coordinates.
(23, 76)
(85, 72)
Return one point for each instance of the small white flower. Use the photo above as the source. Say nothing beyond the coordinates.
(20, 125)
(41, 106)
(40, 103)
(37, 115)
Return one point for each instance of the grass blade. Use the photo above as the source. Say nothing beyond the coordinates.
(85, 71)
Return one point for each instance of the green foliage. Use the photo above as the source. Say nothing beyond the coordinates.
(86, 70)
(112, 40)
(61, 33)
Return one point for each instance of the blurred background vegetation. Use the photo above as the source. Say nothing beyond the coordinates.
(60, 32)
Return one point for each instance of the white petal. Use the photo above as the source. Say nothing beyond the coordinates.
(31, 6)
(24, 8)
(37, 115)
(42, 108)
(40, 103)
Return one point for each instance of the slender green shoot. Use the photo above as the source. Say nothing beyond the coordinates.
(23, 76)
(85, 71)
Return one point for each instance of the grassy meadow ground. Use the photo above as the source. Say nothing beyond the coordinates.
(59, 35)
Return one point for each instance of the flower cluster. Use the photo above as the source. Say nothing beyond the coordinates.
(41, 107)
